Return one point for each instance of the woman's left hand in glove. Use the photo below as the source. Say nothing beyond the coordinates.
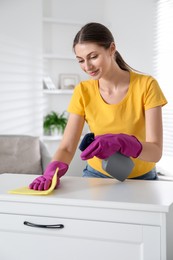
(106, 145)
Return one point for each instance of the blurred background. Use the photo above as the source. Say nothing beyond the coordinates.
(38, 68)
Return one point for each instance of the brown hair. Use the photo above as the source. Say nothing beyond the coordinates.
(101, 35)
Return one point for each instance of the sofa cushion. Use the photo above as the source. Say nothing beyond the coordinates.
(20, 154)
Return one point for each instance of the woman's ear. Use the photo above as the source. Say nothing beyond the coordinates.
(112, 48)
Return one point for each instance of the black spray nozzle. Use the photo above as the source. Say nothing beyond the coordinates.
(86, 141)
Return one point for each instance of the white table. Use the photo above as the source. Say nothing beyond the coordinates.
(96, 218)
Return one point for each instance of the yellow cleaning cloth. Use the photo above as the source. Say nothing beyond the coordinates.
(27, 191)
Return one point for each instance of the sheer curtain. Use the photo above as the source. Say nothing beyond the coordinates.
(163, 66)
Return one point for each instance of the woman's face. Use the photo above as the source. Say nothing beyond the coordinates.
(95, 60)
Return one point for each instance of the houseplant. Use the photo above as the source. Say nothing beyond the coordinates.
(54, 123)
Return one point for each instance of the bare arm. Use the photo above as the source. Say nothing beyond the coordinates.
(72, 133)
(152, 148)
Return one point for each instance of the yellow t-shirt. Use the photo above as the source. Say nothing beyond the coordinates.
(128, 116)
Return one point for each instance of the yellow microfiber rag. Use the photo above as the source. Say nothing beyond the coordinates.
(27, 191)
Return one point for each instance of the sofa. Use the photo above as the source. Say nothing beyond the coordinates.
(23, 154)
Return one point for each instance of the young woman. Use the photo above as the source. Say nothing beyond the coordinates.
(123, 108)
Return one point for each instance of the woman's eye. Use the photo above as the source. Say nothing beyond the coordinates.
(94, 57)
(80, 61)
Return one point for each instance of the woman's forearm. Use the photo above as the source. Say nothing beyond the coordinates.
(63, 155)
(151, 152)
(71, 137)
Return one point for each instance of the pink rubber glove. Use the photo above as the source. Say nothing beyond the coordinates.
(106, 145)
(44, 182)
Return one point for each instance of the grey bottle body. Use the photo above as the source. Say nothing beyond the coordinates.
(118, 166)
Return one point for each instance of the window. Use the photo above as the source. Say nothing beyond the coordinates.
(163, 69)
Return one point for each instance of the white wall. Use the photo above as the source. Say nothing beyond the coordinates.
(76, 10)
(132, 25)
(21, 104)
(21, 20)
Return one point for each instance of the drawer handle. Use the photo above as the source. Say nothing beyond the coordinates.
(56, 226)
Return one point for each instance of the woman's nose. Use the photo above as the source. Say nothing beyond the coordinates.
(88, 65)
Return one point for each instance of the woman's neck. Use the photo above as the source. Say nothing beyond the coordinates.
(116, 78)
(114, 87)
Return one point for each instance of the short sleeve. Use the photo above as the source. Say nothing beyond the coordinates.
(76, 105)
(154, 96)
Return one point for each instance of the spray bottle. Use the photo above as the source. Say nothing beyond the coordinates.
(117, 165)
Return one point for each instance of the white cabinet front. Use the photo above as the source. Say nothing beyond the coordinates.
(28, 237)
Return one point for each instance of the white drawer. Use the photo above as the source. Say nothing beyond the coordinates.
(71, 227)
(76, 239)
